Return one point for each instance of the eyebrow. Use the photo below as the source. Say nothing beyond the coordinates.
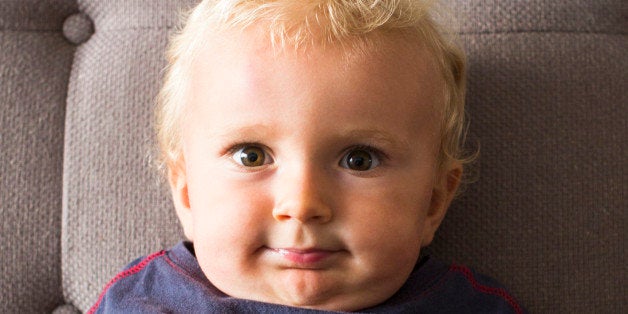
(377, 135)
(258, 130)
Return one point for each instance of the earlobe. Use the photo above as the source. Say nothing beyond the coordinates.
(443, 193)
(179, 188)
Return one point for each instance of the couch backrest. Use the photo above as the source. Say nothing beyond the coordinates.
(35, 64)
(547, 102)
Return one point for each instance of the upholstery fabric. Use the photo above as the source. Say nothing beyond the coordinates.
(548, 209)
(114, 206)
(547, 101)
(35, 64)
(548, 107)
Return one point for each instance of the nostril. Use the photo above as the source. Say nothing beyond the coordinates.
(313, 215)
(318, 218)
(282, 217)
(303, 203)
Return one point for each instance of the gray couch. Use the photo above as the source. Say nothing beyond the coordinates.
(548, 103)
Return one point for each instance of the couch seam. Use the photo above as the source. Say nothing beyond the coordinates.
(59, 30)
(458, 33)
(544, 32)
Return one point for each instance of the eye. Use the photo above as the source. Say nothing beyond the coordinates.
(251, 156)
(360, 159)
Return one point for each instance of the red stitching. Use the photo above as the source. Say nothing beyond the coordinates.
(133, 270)
(486, 289)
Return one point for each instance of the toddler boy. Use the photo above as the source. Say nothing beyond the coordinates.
(312, 150)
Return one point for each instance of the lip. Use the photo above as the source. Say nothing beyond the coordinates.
(304, 257)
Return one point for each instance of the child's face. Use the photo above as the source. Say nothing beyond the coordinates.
(310, 179)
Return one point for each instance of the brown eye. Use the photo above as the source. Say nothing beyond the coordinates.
(250, 156)
(359, 160)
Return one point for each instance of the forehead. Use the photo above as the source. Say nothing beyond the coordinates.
(393, 49)
(381, 76)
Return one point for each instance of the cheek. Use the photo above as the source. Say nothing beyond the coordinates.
(386, 221)
(225, 213)
(390, 203)
(229, 226)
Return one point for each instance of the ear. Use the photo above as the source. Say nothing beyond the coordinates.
(445, 186)
(179, 188)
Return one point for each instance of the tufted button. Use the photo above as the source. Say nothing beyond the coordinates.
(66, 309)
(78, 28)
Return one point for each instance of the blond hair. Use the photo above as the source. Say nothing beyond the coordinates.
(299, 23)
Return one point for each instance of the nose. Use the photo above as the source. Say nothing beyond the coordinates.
(301, 194)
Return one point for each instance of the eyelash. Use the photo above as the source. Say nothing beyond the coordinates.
(377, 153)
(369, 148)
(235, 147)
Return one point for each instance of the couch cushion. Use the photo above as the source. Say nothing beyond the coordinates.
(546, 100)
(115, 208)
(36, 62)
(548, 210)
(548, 105)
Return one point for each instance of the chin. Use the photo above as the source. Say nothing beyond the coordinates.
(344, 303)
